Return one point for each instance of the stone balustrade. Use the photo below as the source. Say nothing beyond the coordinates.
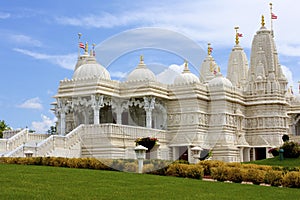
(55, 143)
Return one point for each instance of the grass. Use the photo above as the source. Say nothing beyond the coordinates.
(41, 182)
(286, 162)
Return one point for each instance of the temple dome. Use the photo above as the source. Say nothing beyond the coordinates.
(186, 76)
(91, 69)
(141, 73)
(219, 80)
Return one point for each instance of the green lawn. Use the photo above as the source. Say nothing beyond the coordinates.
(287, 162)
(41, 182)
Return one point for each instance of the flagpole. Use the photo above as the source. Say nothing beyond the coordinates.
(272, 32)
(79, 36)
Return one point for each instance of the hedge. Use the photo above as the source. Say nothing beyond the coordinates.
(221, 171)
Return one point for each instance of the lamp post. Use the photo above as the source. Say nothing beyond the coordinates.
(140, 152)
(196, 151)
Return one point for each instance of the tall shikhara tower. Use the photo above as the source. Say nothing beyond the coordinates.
(266, 116)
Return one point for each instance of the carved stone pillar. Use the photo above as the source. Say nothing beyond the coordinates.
(149, 106)
(62, 108)
(62, 123)
(118, 105)
(96, 104)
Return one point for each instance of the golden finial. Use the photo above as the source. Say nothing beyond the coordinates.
(86, 49)
(236, 35)
(209, 49)
(141, 59)
(186, 66)
(262, 20)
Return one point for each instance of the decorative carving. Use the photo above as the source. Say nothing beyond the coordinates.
(149, 103)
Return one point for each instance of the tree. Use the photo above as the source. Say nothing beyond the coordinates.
(285, 138)
(52, 130)
(3, 127)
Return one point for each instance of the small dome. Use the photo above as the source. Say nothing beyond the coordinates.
(91, 69)
(219, 80)
(186, 76)
(141, 73)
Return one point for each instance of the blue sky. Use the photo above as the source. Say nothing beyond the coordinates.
(39, 42)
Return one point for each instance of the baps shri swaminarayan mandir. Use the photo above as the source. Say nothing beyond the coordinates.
(238, 117)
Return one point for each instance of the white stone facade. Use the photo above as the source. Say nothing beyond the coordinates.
(239, 117)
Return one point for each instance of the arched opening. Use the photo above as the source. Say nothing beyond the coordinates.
(106, 115)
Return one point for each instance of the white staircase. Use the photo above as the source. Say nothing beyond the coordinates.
(101, 141)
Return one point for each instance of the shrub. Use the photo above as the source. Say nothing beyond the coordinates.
(291, 150)
(236, 174)
(285, 138)
(274, 151)
(178, 170)
(220, 173)
(274, 178)
(254, 175)
(208, 164)
(291, 179)
(148, 168)
(130, 167)
(194, 171)
(234, 164)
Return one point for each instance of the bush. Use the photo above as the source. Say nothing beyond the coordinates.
(291, 150)
(291, 179)
(195, 172)
(148, 168)
(236, 174)
(285, 138)
(274, 151)
(274, 178)
(185, 170)
(208, 164)
(178, 170)
(220, 173)
(256, 176)
(130, 167)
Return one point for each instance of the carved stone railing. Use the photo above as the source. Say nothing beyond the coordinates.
(124, 131)
(127, 134)
(62, 142)
(14, 142)
(37, 137)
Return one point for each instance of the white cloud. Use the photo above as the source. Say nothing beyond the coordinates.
(4, 15)
(118, 74)
(65, 61)
(288, 74)
(204, 21)
(25, 40)
(168, 75)
(34, 103)
(44, 125)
